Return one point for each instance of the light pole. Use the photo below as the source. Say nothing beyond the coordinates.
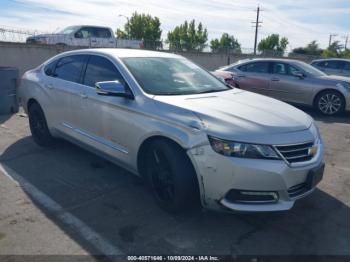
(128, 23)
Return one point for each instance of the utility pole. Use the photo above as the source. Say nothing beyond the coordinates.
(346, 41)
(257, 25)
(330, 39)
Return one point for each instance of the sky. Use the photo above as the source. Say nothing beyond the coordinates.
(301, 21)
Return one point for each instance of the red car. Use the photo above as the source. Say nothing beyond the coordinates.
(226, 76)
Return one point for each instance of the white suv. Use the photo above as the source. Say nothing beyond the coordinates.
(183, 130)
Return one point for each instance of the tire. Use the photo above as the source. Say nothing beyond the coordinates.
(38, 126)
(171, 177)
(330, 103)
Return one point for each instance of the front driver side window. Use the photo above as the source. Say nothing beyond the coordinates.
(279, 69)
(100, 69)
(83, 33)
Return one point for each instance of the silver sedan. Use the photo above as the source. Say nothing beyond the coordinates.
(293, 81)
(185, 132)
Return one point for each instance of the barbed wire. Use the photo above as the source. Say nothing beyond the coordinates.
(21, 35)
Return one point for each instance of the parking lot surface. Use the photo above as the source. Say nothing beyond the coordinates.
(65, 200)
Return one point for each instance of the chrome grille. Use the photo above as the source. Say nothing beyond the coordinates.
(297, 153)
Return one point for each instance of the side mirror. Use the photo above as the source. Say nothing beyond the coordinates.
(113, 88)
(298, 74)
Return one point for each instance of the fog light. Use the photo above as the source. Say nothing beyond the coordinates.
(252, 197)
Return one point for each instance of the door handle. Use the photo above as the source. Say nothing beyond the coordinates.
(49, 86)
(241, 76)
(275, 79)
(83, 96)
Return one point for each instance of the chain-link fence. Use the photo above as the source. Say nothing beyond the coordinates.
(17, 35)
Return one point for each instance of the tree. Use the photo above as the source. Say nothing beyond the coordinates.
(273, 43)
(226, 43)
(345, 54)
(143, 27)
(121, 34)
(311, 49)
(188, 37)
(334, 50)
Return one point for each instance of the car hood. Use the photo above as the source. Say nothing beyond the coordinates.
(238, 114)
(336, 78)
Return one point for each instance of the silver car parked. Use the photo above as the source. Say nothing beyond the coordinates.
(293, 81)
(184, 131)
(333, 66)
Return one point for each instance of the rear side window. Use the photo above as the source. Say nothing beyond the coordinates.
(87, 32)
(257, 67)
(100, 69)
(332, 64)
(347, 66)
(319, 64)
(102, 33)
(69, 68)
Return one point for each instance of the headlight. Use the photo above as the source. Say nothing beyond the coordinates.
(344, 85)
(242, 150)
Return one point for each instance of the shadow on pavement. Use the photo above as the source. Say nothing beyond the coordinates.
(117, 205)
(341, 118)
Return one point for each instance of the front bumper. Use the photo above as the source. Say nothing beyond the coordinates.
(217, 175)
(347, 101)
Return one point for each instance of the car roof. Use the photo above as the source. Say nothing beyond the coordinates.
(96, 26)
(243, 61)
(331, 59)
(122, 52)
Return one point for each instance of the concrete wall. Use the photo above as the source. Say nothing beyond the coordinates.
(25, 57)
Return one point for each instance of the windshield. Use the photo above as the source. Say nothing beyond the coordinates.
(172, 76)
(310, 70)
(68, 30)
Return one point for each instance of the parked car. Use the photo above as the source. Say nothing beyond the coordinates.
(165, 119)
(85, 35)
(340, 67)
(293, 81)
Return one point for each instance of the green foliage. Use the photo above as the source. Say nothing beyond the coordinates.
(226, 43)
(335, 50)
(328, 53)
(121, 34)
(273, 43)
(143, 27)
(345, 54)
(311, 49)
(188, 37)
